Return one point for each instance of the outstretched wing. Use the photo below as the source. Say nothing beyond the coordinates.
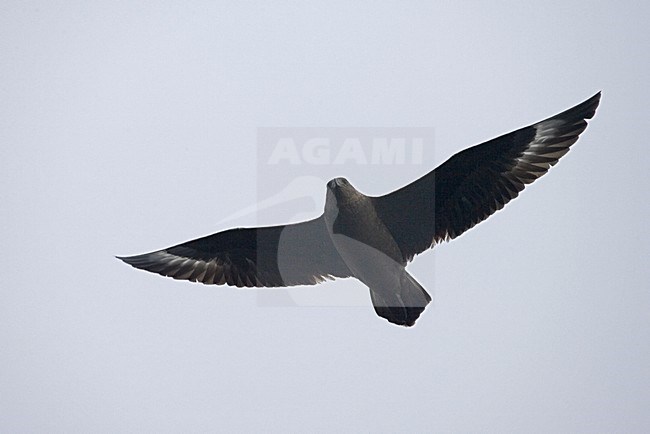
(476, 182)
(295, 254)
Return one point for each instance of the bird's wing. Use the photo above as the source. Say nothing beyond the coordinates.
(295, 254)
(476, 182)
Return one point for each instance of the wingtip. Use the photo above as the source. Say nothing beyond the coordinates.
(584, 110)
(126, 259)
(593, 103)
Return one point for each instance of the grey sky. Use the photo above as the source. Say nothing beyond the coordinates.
(128, 127)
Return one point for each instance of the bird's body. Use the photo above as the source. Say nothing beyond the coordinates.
(373, 238)
(369, 250)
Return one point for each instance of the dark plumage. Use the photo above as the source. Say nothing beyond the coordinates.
(373, 238)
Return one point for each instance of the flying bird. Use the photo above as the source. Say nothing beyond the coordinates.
(372, 238)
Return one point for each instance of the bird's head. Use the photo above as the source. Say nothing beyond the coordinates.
(338, 183)
(340, 193)
(335, 197)
(341, 189)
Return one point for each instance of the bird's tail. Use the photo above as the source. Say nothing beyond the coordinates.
(403, 305)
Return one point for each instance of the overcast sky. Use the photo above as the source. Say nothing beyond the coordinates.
(131, 126)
